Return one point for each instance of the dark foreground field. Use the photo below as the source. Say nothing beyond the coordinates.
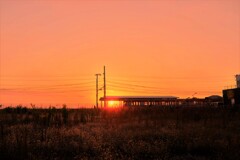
(126, 133)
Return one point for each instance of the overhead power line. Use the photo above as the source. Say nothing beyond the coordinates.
(141, 77)
(129, 84)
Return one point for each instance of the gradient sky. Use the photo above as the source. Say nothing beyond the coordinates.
(50, 50)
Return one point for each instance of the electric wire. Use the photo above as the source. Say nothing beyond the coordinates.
(131, 84)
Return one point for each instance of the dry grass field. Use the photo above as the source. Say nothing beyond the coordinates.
(183, 133)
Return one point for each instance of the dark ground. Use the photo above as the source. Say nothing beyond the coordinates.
(184, 133)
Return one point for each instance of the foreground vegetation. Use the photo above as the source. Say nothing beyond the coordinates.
(123, 133)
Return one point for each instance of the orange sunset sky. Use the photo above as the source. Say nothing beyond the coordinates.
(50, 50)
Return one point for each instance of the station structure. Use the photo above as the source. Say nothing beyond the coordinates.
(134, 101)
(141, 100)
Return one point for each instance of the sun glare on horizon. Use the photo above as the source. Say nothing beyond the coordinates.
(113, 104)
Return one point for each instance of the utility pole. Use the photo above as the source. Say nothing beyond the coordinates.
(104, 86)
(97, 89)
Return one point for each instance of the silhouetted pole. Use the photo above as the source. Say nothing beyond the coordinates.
(104, 86)
(97, 89)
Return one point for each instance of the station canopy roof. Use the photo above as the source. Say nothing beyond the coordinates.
(137, 98)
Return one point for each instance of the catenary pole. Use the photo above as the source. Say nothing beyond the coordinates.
(97, 89)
